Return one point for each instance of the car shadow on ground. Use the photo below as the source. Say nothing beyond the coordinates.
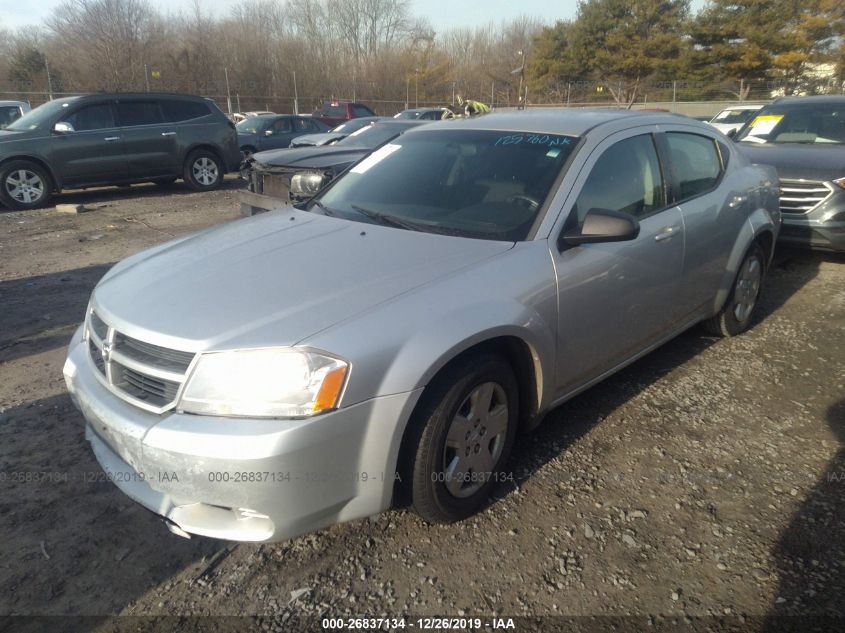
(790, 270)
(810, 554)
(41, 312)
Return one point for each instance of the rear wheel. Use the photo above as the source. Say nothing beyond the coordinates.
(24, 185)
(463, 435)
(736, 315)
(203, 170)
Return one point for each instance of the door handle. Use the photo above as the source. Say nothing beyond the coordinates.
(168, 133)
(112, 138)
(667, 233)
(737, 201)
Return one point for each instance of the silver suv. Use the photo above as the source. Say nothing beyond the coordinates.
(387, 340)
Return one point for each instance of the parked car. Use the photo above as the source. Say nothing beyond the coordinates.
(804, 139)
(110, 139)
(730, 119)
(294, 175)
(274, 131)
(336, 134)
(237, 117)
(336, 112)
(387, 341)
(425, 114)
(11, 111)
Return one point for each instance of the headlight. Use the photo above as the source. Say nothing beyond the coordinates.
(840, 182)
(306, 184)
(272, 383)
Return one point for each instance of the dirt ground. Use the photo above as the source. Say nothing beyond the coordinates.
(707, 479)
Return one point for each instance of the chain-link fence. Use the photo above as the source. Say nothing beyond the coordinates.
(692, 97)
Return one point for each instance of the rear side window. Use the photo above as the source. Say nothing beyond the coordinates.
(695, 163)
(175, 111)
(625, 178)
(93, 117)
(359, 110)
(139, 113)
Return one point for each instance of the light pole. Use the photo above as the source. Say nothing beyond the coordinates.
(407, 91)
(520, 105)
(416, 87)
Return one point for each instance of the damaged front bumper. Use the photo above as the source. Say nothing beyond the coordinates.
(243, 479)
(269, 187)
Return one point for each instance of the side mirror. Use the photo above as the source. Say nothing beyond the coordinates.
(268, 132)
(731, 133)
(602, 225)
(63, 127)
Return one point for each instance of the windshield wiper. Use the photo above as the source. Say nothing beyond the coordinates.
(386, 220)
(323, 208)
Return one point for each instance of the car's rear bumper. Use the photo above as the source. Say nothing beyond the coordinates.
(243, 479)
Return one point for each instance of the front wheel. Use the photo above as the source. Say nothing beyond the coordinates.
(736, 315)
(466, 427)
(24, 185)
(203, 171)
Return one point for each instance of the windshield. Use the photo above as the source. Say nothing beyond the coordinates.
(252, 125)
(42, 116)
(409, 114)
(9, 114)
(733, 116)
(797, 122)
(371, 136)
(471, 183)
(351, 126)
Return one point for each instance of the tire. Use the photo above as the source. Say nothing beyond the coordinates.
(203, 170)
(24, 185)
(737, 313)
(164, 182)
(453, 435)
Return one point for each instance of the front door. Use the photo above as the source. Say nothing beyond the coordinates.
(93, 153)
(277, 136)
(618, 298)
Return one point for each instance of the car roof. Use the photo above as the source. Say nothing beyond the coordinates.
(563, 121)
(811, 99)
(12, 102)
(755, 106)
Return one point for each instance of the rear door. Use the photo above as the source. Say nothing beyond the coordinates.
(149, 142)
(93, 153)
(618, 298)
(713, 209)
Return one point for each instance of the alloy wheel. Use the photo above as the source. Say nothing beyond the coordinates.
(205, 171)
(24, 186)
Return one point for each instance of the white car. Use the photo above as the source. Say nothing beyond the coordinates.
(732, 118)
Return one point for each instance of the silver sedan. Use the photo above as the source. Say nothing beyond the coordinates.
(386, 342)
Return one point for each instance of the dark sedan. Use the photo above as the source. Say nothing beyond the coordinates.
(804, 139)
(274, 131)
(294, 175)
(336, 133)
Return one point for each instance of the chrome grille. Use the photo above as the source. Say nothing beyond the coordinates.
(147, 375)
(802, 196)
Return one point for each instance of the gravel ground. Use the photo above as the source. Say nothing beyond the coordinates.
(707, 479)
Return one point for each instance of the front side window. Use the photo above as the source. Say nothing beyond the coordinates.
(625, 178)
(694, 162)
(483, 184)
(93, 117)
(280, 126)
(139, 113)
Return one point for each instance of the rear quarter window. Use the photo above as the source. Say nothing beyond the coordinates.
(175, 111)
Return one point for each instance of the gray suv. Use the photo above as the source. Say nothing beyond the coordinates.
(112, 139)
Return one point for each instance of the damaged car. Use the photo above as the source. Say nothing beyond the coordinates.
(335, 134)
(386, 343)
(294, 175)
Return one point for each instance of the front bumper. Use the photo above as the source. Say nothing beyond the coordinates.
(821, 228)
(243, 479)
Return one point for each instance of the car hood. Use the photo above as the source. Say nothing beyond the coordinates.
(309, 157)
(320, 139)
(795, 161)
(14, 135)
(273, 279)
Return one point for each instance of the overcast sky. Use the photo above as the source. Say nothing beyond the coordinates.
(15, 13)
